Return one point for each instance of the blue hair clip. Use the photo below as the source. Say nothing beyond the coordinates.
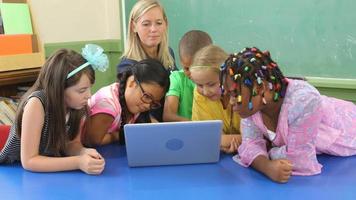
(240, 63)
(95, 57)
(222, 67)
(250, 106)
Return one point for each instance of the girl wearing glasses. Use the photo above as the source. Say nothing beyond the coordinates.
(139, 89)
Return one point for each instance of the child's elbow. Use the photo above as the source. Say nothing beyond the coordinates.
(28, 165)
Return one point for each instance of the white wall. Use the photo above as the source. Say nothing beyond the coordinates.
(76, 20)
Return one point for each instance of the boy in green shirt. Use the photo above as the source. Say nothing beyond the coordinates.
(179, 98)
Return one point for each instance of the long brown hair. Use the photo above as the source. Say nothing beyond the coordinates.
(52, 80)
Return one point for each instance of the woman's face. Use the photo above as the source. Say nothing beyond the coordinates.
(76, 96)
(207, 83)
(151, 27)
(140, 97)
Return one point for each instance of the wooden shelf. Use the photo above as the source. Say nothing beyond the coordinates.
(18, 76)
(21, 69)
(11, 80)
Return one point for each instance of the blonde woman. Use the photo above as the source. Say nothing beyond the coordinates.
(147, 37)
(208, 101)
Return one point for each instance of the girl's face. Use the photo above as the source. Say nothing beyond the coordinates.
(141, 97)
(151, 27)
(76, 96)
(242, 108)
(207, 83)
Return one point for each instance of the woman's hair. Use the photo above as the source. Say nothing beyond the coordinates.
(52, 80)
(134, 49)
(149, 71)
(209, 57)
(251, 67)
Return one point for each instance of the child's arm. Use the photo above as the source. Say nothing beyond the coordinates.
(230, 142)
(171, 109)
(253, 152)
(278, 170)
(75, 147)
(97, 130)
(304, 118)
(203, 111)
(32, 123)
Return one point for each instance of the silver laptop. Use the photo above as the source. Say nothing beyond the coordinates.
(173, 143)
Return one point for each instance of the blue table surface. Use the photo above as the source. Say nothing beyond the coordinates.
(223, 180)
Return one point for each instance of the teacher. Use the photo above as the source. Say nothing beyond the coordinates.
(147, 37)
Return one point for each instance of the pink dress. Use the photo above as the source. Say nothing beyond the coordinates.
(106, 100)
(308, 124)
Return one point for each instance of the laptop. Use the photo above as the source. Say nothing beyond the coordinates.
(173, 143)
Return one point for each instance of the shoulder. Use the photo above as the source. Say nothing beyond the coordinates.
(34, 113)
(171, 51)
(36, 100)
(177, 75)
(126, 61)
(107, 92)
(301, 91)
(301, 98)
(34, 104)
(124, 64)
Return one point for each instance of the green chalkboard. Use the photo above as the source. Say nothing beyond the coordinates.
(305, 37)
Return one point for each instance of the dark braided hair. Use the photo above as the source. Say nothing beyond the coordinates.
(250, 67)
(147, 71)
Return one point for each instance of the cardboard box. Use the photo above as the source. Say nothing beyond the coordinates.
(16, 18)
(24, 61)
(15, 44)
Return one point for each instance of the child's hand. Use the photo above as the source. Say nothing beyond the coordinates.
(279, 170)
(91, 162)
(230, 143)
(91, 152)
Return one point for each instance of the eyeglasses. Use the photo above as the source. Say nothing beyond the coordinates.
(147, 98)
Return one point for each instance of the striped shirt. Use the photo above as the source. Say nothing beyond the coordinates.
(11, 151)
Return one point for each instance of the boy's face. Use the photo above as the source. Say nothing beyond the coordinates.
(186, 62)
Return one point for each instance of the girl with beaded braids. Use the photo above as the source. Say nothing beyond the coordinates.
(139, 89)
(47, 129)
(290, 115)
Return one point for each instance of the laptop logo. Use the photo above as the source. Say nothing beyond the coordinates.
(174, 144)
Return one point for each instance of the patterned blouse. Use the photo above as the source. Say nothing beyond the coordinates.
(308, 124)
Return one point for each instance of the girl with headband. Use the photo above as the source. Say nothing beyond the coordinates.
(46, 134)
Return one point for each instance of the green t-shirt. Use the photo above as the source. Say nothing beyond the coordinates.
(182, 87)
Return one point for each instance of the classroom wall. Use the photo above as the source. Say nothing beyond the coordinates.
(307, 38)
(78, 20)
(112, 48)
(72, 24)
